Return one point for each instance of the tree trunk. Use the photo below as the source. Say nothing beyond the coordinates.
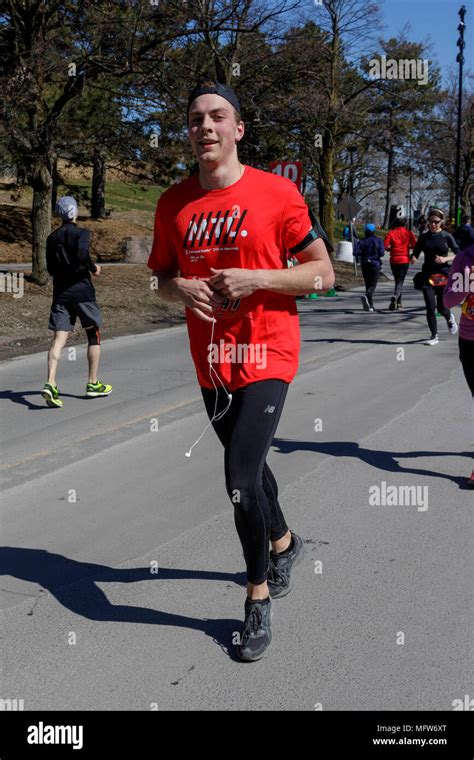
(452, 212)
(319, 187)
(466, 198)
(54, 191)
(21, 175)
(388, 190)
(98, 187)
(41, 182)
(326, 190)
(466, 185)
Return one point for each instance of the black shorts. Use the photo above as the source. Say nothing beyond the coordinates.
(63, 315)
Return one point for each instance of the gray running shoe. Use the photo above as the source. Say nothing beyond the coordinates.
(256, 635)
(280, 574)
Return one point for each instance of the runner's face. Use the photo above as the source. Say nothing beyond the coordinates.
(435, 223)
(212, 129)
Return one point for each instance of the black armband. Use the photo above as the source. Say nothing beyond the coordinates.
(320, 230)
(310, 237)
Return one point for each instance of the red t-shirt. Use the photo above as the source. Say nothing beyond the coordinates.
(250, 224)
(399, 241)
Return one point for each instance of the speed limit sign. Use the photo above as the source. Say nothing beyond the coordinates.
(292, 170)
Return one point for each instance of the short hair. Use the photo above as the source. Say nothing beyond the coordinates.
(400, 221)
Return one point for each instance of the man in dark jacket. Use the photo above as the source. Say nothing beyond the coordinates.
(369, 253)
(69, 263)
(464, 234)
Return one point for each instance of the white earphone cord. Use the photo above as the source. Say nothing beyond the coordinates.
(215, 417)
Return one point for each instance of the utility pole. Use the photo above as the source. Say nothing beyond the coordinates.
(460, 59)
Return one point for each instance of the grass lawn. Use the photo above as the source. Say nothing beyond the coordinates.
(119, 196)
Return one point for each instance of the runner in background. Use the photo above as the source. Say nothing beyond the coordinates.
(399, 242)
(69, 262)
(422, 225)
(369, 252)
(435, 245)
(464, 234)
(346, 232)
(460, 290)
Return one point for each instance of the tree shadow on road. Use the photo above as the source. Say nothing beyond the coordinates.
(72, 583)
(381, 460)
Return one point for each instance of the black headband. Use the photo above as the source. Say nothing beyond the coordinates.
(218, 89)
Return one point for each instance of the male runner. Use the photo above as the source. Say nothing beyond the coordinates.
(69, 263)
(369, 252)
(221, 244)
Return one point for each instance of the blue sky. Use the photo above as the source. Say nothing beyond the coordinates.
(437, 19)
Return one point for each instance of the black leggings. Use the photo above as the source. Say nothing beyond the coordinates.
(399, 272)
(246, 431)
(434, 299)
(466, 354)
(371, 278)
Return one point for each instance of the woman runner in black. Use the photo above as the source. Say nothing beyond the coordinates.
(435, 244)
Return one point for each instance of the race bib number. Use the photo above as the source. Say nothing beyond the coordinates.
(229, 305)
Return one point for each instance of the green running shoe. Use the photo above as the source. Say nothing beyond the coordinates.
(93, 390)
(50, 394)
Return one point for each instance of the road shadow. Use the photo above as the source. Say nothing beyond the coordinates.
(381, 460)
(20, 397)
(407, 311)
(73, 584)
(349, 340)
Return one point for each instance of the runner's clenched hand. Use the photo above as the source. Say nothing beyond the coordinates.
(235, 283)
(199, 297)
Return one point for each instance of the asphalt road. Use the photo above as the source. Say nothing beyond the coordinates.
(122, 572)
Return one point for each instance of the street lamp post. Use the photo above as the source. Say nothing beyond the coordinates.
(410, 216)
(352, 149)
(460, 59)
